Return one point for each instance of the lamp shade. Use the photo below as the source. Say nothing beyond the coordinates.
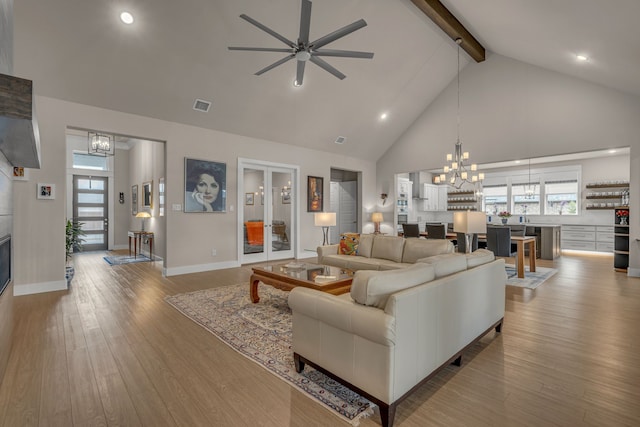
(469, 222)
(377, 217)
(325, 219)
(143, 215)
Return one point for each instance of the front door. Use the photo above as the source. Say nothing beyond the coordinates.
(91, 209)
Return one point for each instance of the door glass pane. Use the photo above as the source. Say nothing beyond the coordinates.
(90, 197)
(92, 225)
(254, 227)
(90, 184)
(282, 203)
(93, 239)
(90, 211)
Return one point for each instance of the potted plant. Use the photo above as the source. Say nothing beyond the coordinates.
(73, 233)
(504, 215)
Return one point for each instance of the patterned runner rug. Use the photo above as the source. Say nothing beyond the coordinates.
(531, 280)
(262, 333)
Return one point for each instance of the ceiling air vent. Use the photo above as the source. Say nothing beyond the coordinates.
(201, 105)
(340, 140)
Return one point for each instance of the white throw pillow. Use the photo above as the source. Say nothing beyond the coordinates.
(374, 287)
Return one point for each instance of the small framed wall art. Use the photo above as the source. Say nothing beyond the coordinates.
(46, 191)
(315, 193)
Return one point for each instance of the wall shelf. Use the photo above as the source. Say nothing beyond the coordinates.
(620, 241)
(618, 185)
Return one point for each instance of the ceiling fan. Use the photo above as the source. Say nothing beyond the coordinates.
(303, 50)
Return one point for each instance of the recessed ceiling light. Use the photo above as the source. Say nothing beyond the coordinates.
(517, 161)
(582, 58)
(126, 17)
(383, 116)
(612, 151)
(296, 84)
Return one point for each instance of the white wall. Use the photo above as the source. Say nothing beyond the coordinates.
(39, 226)
(121, 212)
(511, 110)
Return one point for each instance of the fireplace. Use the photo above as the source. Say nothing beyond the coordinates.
(5, 262)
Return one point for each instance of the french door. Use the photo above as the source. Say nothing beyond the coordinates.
(91, 209)
(267, 215)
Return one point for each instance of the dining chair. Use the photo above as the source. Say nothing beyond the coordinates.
(411, 230)
(436, 231)
(499, 241)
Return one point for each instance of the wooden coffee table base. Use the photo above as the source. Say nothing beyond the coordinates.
(286, 283)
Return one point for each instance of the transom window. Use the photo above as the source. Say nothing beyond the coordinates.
(87, 161)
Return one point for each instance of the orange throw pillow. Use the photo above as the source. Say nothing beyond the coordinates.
(349, 243)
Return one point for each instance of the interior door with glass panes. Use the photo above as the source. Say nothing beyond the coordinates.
(91, 210)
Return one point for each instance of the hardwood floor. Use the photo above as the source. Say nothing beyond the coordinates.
(110, 351)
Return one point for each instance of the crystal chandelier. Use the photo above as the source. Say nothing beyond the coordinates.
(459, 170)
(101, 144)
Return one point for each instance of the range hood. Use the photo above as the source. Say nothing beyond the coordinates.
(19, 135)
(416, 188)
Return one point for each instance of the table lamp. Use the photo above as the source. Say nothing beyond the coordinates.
(469, 223)
(325, 220)
(376, 218)
(143, 215)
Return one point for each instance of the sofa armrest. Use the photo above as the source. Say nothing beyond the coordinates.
(327, 250)
(370, 323)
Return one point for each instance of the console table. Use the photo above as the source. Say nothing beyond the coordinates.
(137, 241)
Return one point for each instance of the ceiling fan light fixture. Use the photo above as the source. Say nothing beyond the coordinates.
(296, 84)
(303, 55)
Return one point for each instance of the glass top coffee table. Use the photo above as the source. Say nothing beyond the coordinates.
(325, 278)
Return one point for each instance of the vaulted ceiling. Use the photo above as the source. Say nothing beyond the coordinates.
(176, 51)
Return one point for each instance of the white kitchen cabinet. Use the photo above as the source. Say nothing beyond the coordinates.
(434, 198)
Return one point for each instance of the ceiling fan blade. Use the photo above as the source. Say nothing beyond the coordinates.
(348, 29)
(261, 49)
(275, 64)
(300, 72)
(323, 64)
(268, 30)
(343, 53)
(305, 22)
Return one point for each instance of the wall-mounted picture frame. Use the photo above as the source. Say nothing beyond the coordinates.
(161, 196)
(286, 196)
(248, 198)
(147, 194)
(205, 186)
(46, 191)
(134, 199)
(315, 193)
(20, 174)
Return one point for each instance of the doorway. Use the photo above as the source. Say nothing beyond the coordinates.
(344, 199)
(91, 210)
(268, 213)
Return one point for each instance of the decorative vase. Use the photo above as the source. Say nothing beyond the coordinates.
(504, 221)
(69, 273)
(623, 220)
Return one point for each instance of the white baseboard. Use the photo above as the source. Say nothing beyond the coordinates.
(174, 271)
(38, 288)
(633, 272)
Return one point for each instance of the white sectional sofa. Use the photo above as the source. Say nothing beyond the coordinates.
(376, 252)
(398, 328)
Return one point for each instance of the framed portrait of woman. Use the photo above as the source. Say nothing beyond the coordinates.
(205, 186)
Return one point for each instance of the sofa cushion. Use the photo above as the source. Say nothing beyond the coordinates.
(414, 249)
(446, 264)
(388, 247)
(365, 245)
(349, 243)
(390, 265)
(374, 287)
(363, 263)
(479, 257)
(336, 260)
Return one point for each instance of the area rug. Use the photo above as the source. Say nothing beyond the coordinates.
(124, 259)
(531, 280)
(262, 333)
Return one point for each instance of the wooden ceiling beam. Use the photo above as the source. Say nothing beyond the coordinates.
(444, 19)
